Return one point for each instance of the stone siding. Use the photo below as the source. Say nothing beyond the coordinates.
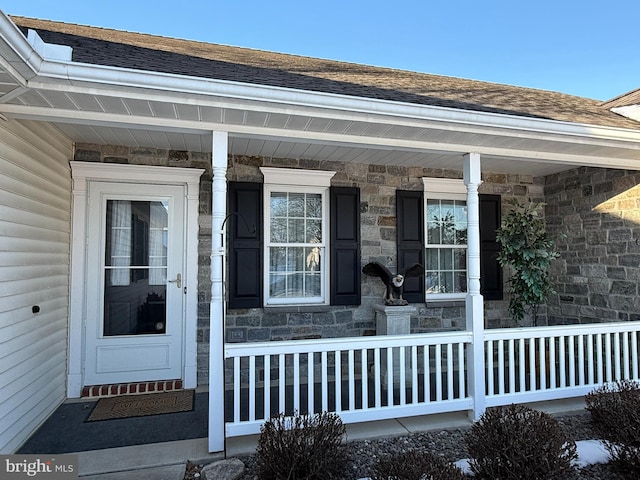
(378, 184)
(594, 216)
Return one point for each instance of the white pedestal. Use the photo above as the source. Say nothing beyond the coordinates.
(394, 320)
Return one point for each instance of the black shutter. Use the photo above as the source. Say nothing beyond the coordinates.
(245, 245)
(410, 217)
(490, 269)
(345, 246)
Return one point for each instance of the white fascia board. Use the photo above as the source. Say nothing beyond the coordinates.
(22, 61)
(177, 86)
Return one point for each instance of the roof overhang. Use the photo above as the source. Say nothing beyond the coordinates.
(107, 105)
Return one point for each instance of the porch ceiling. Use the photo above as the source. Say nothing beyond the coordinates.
(136, 109)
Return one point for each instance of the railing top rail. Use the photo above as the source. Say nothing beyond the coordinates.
(344, 344)
(560, 330)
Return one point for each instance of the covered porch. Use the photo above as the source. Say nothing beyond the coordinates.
(108, 109)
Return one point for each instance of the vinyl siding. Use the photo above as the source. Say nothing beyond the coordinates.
(35, 223)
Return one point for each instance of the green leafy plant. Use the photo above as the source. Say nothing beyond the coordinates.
(302, 447)
(527, 250)
(415, 465)
(516, 442)
(615, 417)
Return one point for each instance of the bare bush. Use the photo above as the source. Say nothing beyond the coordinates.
(415, 465)
(302, 447)
(516, 442)
(615, 416)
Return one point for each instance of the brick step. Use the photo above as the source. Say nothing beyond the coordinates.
(135, 388)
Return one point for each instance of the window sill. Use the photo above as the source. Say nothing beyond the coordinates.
(297, 308)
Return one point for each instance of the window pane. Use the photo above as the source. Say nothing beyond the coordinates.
(296, 230)
(295, 259)
(277, 285)
(279, 230)
(432, 259)
(460, 282)
(433, 210)
(460, 259)
(314, 231)
(461, 233)
(312, 259)
(296, 205)
(446, 259)
(277, 259)
(447, 209)
(312, 285)
(278, 204)
(432, 282)
(295, 288)
(314, 205)
(446, 282)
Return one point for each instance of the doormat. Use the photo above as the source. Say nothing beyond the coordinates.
(142, 405)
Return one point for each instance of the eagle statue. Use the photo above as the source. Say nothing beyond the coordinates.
(394, 283)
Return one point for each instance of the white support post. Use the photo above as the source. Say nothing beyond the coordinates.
(216, 325)
(474, 300)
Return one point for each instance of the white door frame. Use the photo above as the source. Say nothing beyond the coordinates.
(83, 173)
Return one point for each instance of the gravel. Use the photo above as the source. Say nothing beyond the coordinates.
(449, 443)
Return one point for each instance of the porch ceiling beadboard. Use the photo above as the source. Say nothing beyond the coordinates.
(35, 214)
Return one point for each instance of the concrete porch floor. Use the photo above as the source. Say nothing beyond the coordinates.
(166, 461)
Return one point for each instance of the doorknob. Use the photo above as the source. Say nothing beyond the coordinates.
(177, 281)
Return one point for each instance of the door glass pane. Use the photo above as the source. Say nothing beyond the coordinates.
(135, 267)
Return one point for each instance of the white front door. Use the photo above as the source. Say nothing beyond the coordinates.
(135, 285)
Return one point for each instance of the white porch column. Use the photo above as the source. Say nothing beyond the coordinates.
(216, 324)
(474, 301)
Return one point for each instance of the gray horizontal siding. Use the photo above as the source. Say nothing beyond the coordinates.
(35, 222)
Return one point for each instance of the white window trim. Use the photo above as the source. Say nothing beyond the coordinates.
(297, 181)
(444, 189)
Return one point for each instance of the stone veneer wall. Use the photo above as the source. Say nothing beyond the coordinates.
(594, 215)
(377, 184)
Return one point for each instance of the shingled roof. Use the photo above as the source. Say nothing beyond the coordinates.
(117, 48)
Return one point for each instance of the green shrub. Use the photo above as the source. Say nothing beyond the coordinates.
(615, 417)
(302, 447)
(415, 465)
(516, 442)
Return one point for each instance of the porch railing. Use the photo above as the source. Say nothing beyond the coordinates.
(362, 379)
(374, 378)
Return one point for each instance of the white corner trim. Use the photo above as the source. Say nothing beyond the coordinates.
(445, 186)
(298, 177)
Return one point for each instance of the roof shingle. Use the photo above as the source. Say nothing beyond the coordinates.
(184, 57)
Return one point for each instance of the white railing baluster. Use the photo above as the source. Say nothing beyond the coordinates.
(600, 358)
(563, 362)
(325, 382)
(449, 371)
(390, 375)
(414, 374)
(625, 354)
(489, 360)
(438, 372)
(616, 355)
(591, 360)
(427, 372)
(542, 363)
(532, 364)
(501, 375)
(252, 388)
(403, 377)
(352, 381)
(282, 382)
(512, 366)
(581, 360)
(365, 379)
(461, 371)
(634, 353)
(296, 382)
(552, 363)
(572, 361)
(338, 375)
(521, 366)
(236, 389)
(267, 387)
(376, 375)
(310, 383)
(607, 349)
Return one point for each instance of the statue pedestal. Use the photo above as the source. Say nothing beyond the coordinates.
(394, 320)
(391, 320)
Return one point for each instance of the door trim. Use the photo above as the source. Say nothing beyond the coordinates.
(83, 173)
